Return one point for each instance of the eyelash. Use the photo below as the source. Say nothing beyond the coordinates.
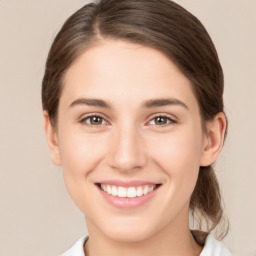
(83, 120)
(169, 120)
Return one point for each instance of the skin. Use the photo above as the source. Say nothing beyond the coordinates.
(130, 144)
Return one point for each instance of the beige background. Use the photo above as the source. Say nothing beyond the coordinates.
(37, 216)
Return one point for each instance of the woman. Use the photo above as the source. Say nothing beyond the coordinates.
(133, 111)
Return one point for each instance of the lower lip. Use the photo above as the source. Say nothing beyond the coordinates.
(128, 203)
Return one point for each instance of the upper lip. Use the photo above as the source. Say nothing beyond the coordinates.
(132, 183)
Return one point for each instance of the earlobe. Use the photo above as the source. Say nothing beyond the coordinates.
(52, 139)
(214, 138)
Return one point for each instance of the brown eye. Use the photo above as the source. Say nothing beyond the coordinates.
(161, 120)
(93, 120)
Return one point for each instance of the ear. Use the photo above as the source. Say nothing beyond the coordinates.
(214, 138)
(52, 139)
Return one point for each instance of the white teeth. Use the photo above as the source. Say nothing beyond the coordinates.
(139, 191)
(130, 192)
(121, 192)
(151, 188)
(109, 190)
(145, 190)
(114, 191)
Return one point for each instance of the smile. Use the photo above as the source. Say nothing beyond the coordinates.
(129, 192)
(127, 195)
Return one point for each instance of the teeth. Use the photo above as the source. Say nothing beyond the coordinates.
(139, 191)
(151, 189)
(121, 192)
(130, 192)
(109, 190)
(114, 191)
(103, 187)
(145, 190)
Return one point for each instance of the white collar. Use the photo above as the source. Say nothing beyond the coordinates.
(212, 247)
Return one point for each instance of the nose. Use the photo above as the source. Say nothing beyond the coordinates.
(127, 150)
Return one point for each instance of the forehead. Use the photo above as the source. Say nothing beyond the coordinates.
(122, 71)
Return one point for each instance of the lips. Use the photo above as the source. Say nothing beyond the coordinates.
(127, 195)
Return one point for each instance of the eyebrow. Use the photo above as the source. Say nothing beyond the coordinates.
(147, 104)
(91, 102)
(163, 102)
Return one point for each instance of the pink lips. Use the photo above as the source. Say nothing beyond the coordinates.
(125, 202)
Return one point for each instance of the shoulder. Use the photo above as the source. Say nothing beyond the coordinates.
(77, 249)
(214, 248)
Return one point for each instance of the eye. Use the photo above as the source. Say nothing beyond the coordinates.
(93, 120)
(161, 120)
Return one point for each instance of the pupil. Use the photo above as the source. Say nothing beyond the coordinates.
(96, 120)
(160, 120)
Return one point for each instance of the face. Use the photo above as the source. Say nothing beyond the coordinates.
(130, 140)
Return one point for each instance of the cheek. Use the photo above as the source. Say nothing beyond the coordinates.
(179, 151)
(178, 155)
(80, 155)
(80, 152)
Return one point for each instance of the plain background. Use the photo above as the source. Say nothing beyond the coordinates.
(37, 217)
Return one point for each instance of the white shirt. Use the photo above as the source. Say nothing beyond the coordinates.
(212, 247)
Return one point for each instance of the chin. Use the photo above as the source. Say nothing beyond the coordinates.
(128, 236)
(128, 231)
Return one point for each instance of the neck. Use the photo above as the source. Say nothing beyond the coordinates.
(174, 239)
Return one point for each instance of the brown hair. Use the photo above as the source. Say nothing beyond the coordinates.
(167, 27)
